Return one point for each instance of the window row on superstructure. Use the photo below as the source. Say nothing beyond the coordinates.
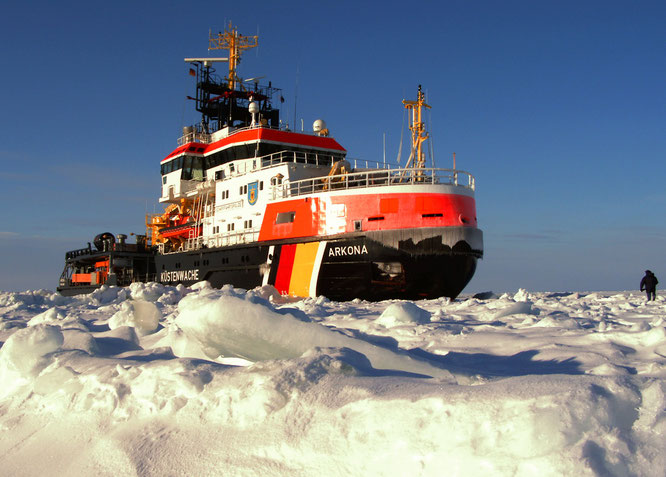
(195, 167)
(231, 226)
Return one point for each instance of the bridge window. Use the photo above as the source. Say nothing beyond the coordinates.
(193, 169)
(172, 165)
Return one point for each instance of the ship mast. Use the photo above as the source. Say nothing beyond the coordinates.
(234, 42)
(226, 101)
(417, 127)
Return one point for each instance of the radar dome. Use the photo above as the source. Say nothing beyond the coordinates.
(319, 125)
(253, 107)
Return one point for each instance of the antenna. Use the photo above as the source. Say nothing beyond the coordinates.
(205, 61)
(296, 95)
(432, 142)
(432, 153)
(402, 134)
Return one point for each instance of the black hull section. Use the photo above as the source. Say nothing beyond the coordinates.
(422, 277)
(77, 290)
(404, 264)
(241, 266)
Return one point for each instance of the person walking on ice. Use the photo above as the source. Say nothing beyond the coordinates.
(649, 284)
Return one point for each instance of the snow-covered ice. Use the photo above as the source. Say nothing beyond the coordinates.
(154, 380)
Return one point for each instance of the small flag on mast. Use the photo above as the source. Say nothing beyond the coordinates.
(192, 72)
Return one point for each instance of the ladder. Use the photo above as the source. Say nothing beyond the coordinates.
(201, 213)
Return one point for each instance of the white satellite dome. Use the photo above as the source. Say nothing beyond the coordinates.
(319, 125)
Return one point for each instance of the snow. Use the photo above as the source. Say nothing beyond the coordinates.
(155, 380)
(141, 315)
(402, 313)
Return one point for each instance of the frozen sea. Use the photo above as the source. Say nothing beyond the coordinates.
(172, 381)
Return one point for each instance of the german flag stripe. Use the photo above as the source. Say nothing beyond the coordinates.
(301, 272)
(298, 268)
(285, 267)
(315, 269)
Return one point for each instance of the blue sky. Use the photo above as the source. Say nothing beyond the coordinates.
(557, 107)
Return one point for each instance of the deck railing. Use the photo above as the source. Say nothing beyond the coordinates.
(318, 159)
(378, 178)
(217, 240)
(196, 133)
